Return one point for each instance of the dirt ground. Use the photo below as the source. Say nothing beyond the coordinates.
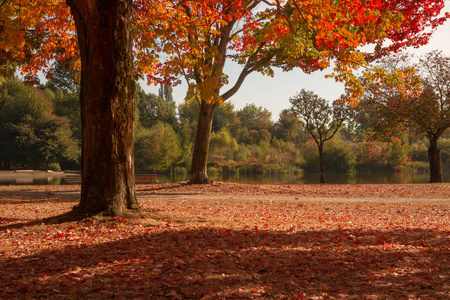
(230, 241)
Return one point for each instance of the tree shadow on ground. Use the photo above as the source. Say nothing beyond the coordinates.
(70, 216)
(46, 198)
(155, 191)
(237, 264)
(24, 197)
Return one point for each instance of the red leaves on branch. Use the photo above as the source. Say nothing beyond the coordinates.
(192, 39)
(33, 33)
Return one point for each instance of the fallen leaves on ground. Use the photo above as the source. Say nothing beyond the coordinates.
(230, 241)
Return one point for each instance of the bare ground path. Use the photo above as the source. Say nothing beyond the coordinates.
(230, 241)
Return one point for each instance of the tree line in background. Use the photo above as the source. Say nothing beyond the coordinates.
(41, 128)
(191, 39)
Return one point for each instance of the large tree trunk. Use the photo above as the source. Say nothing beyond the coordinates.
(434, 156)
(321, 165)
(107, 105)
(201, 146)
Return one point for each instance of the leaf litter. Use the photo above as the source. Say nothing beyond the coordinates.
(230, 241)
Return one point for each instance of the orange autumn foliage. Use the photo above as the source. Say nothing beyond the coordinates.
(33, 34)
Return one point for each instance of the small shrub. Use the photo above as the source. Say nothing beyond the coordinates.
(54, 167)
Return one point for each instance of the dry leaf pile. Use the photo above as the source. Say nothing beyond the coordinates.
(230, 241)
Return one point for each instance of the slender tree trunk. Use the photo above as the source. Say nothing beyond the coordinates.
(107, 105)
(434, 156)
(321, 165)
(201, 146)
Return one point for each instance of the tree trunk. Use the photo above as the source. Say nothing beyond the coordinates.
(321, 166)
(107, 105)
(434, 156)
(201, 146)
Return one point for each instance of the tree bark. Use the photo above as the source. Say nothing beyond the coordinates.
(434, 156)
(201, 146)
(107, 105)
(321, 165)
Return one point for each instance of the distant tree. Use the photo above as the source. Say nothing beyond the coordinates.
(188, 115)
(30, 134)
(254, 124)
(222, 147)
(153, 108)
(425, 106)
(66, 104)
(165, 92)
(224, 118)
(188, 110)
(186, 136)
(289, 128)
(254, 117)
(321, 119)
(224, 115)
(64, 76)
(157, 148)
(338, 156)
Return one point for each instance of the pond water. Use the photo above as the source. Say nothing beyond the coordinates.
(32, 179)
(308, 178)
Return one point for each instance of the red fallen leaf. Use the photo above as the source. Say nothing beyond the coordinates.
(205, 290)
(73, 278)
(370, 277)
(387, 246)
(173, 295)
(24, 287)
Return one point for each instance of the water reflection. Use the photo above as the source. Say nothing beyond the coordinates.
(31, 180)
(308, 178)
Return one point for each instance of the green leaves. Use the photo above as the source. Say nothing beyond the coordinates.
(31, 134)
(322, 119)
(157, 148)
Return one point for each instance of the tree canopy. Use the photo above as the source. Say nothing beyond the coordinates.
(423, 104)
(194, 39)
(321, 119)
(31, 135)
(33, 34)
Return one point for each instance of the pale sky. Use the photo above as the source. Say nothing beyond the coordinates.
(274, 93)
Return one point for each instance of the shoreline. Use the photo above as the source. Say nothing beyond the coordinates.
(229, 190)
